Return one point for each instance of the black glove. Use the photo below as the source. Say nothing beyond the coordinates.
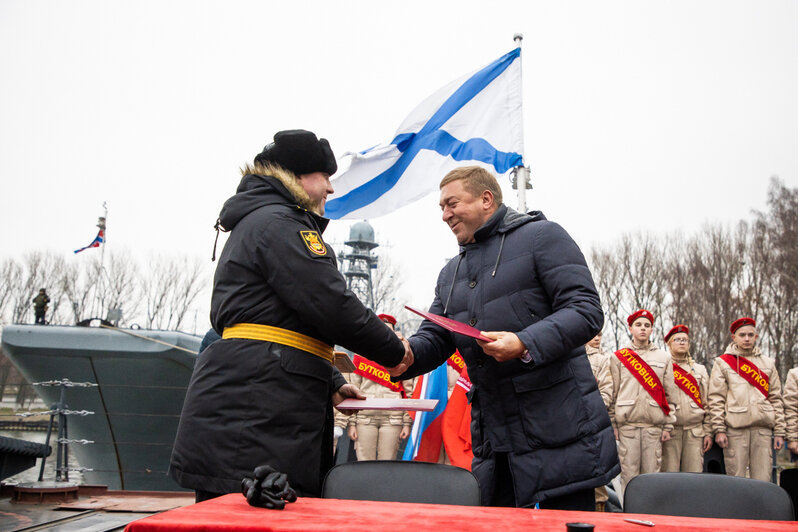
(267, 488)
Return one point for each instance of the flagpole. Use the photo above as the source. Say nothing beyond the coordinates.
(100, 285)
(520, 174)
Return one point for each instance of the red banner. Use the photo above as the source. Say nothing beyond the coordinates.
(749, 372)
(457, 424)
(645, 376)
(376, 373)
(687, 383)
(456, 362)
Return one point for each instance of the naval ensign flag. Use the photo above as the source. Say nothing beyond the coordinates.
(476, 119)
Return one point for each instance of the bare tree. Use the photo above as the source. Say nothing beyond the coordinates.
(169, 289)
(78, 283)
(609, 278)
(10, 285)
(191, 282)
(774, 253)
(386, 283)
(120, 286)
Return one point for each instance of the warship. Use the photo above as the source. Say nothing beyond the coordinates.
(124, 393)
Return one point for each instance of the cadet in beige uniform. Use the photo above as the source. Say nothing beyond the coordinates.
(600, 364)
(640, 421)
(743, 413)
(791, 409)
(690, 437)
(376, 433)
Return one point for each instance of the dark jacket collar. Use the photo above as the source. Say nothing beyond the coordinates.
(503, 220)
(256, 191)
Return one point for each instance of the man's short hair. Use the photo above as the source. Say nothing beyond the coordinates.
(476, 180)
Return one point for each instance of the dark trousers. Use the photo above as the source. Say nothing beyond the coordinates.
(39, 317)
(504, 495)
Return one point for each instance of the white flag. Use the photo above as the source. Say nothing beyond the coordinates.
(476, 119)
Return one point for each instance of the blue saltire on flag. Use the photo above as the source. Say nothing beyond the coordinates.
(425, 438)
(99, 239)
(475, 119)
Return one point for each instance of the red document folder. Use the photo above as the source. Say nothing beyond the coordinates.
(451, 325)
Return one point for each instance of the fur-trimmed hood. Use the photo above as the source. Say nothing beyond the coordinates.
(263, 184)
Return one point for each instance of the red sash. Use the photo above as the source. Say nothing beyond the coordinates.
(376, 373)
(687, 383)
(748, 370)
(456, 361)
(645, 376)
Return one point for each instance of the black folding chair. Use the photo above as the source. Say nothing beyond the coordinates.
(401, 481)
(707, 495)
(789, 483)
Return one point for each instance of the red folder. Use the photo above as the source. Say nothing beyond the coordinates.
(452, 325)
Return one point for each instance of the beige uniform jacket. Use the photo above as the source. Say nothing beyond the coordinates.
(688, 414)
(600, 364)
(631, 403)
(373, 389)
(735, 403)
(791, 404)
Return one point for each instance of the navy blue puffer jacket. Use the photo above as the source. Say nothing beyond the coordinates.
(526, 275)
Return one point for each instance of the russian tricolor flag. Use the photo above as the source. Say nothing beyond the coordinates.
(425, 441)
(99, 239)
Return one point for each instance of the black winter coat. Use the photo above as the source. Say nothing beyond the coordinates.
(548, 416)
(251, 402)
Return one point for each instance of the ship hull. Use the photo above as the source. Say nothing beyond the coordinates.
(141, 385)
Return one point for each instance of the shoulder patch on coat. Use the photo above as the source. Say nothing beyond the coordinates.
(313, 242)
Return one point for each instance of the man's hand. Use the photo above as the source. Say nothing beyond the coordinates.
(778, 443)
(352, 431)
(406, 362)
(615, 431)
(405, 432)
(347, 391)
(721, 440)
(793, 447)
(505, 345)
(666, 436)
(707, 445)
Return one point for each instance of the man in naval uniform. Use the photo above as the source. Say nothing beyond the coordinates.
(264, 393)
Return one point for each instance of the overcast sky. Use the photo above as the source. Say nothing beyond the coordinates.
(638, 115)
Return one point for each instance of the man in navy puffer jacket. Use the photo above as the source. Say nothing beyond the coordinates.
(540, 430)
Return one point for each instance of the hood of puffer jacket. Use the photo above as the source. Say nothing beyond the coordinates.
(502, 222)
(265, 184)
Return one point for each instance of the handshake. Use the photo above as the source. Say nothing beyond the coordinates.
(406, 362)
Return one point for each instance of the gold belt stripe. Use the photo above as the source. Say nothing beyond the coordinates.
(267, 333)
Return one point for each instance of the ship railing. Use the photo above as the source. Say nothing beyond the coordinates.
(60, 411)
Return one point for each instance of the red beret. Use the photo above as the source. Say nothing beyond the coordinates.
(742, 322)
(387, 317)
(675, 330)
(642, 313)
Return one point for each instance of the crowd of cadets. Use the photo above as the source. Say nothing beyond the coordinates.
(378, 434)
(667, 410)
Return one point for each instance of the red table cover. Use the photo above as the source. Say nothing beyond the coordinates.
(232, 513)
